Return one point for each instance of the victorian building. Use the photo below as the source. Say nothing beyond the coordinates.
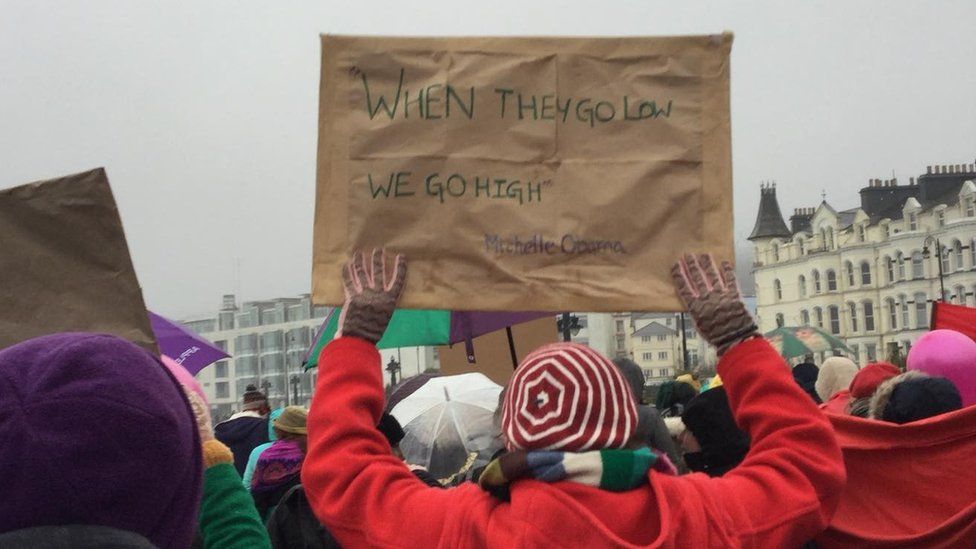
(869, 274)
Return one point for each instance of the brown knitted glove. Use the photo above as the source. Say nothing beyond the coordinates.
(712, 298)
(371, 294)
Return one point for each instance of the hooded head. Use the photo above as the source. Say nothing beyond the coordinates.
(566, 396)
(96, 431)
(947, 354)
(913, 396)
(835, 375)
(275, 414)
(723, 445)
(634, 376)
(805, 374)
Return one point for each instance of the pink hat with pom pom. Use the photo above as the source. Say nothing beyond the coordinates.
(947, 354)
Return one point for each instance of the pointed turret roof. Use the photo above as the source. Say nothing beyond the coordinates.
(769, 221)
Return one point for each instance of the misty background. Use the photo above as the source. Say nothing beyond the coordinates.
(205, 113)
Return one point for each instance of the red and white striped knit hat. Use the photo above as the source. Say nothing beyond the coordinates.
(566, 396)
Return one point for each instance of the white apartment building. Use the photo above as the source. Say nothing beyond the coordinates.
(267, 341)
(869, 274)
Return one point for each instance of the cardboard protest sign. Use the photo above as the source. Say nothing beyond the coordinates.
(64, 263)
(493, 356)
(524, 173)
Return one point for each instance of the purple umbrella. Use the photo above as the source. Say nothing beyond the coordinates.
(185, 348)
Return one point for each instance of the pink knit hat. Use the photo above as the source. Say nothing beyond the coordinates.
(948, 354)
(566, 396)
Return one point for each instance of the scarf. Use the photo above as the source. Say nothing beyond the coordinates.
(613, 470)
(277, 466)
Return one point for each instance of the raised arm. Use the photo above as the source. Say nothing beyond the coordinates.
(364, 495)
(787, 488)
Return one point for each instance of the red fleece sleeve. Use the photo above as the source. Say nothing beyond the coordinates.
(787, 488)
(357, 488)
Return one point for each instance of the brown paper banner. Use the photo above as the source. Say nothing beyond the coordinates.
(64, 263)
(524, 173)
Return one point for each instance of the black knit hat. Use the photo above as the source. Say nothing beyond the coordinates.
(254, 399)
(391, 429)
(723, 444)
(919, 398)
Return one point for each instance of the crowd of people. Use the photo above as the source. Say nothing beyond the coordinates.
(105, 445)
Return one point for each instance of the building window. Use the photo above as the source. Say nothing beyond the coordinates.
(957, 254)
(663, 372)
(222, 389)
(648, 356)
(970, 206)
(804, 318)
(940, 217)
(830, 237)
(220, 369)
(834, 313)
(868, 316)
(872, 351)
(904, 312)
(852, 309)
(662, 338)
(918, 268)
(856, 349)
(645, 339)
(865, 273)
(860, 233)
(620, 325)
(900, 259)
(779, 320)
(892, 314)
(799, 245)
(849, 267)
(778, 290)
(960, 297)
(621, 344)
(775, 252)
(912, 222)
(802, 286)
(944, 257)
(662, 355)
(921, 313)
(818, 314)
(891, 269)
(886, 229)
(831, 281)
(816, 282)
(972, 252)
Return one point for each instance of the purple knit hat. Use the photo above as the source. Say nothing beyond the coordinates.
(94, 430)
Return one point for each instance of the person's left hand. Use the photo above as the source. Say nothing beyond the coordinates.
(371, 294)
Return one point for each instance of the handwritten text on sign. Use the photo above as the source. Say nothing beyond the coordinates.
(518, 174)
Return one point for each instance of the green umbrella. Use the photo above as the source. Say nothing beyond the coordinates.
(794, 341)
(428, 327)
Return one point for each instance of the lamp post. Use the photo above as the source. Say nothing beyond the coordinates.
(569, 325)
(941, 253)
(295, 382)
(394, 368)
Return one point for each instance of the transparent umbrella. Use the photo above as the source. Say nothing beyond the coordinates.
(448, 423)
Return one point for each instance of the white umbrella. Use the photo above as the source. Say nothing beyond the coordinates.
(448, 423)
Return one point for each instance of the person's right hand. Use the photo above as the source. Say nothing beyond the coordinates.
(712, 297)
(371, 294)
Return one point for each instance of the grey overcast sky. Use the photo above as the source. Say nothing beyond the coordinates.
(204, 113)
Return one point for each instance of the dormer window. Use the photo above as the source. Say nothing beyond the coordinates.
(887, 230)
(913, 221)
(940, 216)
(970, 206)
(860, 233)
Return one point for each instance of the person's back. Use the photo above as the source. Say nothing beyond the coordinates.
(245, 430)
(568, 417)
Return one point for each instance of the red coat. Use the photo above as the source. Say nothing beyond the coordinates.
(782, 494)
(837, 403)
(909, 485)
